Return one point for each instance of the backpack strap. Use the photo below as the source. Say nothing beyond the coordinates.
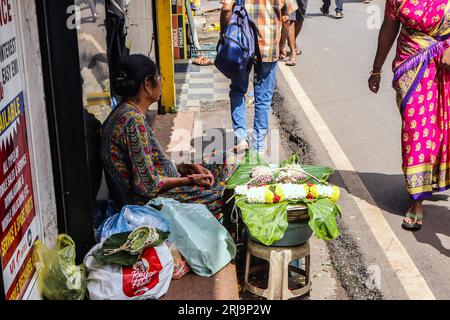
(257, 60)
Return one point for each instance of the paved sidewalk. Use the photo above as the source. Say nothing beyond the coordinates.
(179, 132)
(204, 116)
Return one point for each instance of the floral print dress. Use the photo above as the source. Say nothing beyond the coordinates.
(423, 88)
(135, 164)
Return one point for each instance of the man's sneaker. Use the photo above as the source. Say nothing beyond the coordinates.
(339, 15)
(241, 147)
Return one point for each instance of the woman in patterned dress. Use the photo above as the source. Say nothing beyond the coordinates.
(136, 167)
(422, 82)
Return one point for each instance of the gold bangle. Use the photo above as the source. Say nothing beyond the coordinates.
(376, 73)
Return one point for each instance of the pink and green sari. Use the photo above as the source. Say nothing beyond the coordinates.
(423, 93)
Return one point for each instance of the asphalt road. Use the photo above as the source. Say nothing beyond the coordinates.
(333, 71)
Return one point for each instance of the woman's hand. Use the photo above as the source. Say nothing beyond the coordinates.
(388, 33)
(445, 61)
(374, 83)
(200, 180)
(189, 169)
(202, 170)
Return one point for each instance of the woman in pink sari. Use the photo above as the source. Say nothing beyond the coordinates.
(422, 82)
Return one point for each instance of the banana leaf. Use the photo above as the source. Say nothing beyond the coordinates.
(321, 173)
(122, 258)
(323, 214)
(294, 159)
(267, 223)
(242, 175)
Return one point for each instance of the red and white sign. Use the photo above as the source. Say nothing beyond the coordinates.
(19, 226)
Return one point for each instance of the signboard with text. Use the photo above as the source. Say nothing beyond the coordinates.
(179, 30)
(19, 226)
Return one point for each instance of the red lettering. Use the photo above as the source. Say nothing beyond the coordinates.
(5, 12)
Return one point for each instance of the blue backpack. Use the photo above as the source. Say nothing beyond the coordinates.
(238, 49)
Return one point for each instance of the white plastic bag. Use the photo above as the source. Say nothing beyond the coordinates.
(148, 279)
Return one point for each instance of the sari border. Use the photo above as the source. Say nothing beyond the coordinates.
(422, 196)
(413, 87)
(426, 167)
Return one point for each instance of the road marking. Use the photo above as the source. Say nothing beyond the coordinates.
(400, 261)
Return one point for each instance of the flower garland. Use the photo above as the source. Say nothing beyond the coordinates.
(287, 192)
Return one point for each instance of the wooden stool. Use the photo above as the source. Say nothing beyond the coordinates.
(279, 259)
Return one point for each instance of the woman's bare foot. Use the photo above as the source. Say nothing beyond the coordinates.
(292, 60)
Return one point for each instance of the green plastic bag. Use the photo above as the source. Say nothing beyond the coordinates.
(58, 276)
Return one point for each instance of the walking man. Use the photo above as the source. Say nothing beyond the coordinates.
(339, 8)
(268, 15)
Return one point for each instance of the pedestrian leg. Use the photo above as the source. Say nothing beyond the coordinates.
(264, 88)
(291, 41)
(284, 36)
(339, 5)
(238, 89)
(299, 23)
(326, 6)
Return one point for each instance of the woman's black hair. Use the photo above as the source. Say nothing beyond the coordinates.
(131, 73)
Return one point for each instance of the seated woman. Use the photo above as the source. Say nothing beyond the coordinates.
(136, 167)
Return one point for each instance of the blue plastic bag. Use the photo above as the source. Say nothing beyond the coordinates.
(130, 218)
(205, 244)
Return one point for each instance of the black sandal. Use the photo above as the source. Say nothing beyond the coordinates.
(414, 226)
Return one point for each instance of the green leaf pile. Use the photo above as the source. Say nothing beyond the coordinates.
(122, 258)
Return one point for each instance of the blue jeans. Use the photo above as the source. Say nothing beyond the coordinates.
(263, 104)
(339, 5)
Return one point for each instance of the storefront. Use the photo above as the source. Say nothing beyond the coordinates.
(27, 198)
(55, 61)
